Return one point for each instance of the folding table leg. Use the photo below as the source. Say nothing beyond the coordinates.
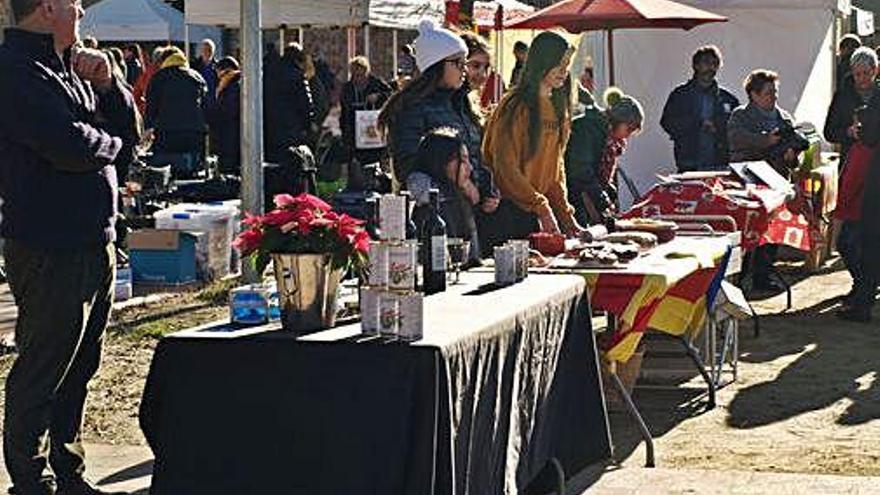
(560, 476)
(756, 319)
(701, 367)
(635, 415)
(776, 273)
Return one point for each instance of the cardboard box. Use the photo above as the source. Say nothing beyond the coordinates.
(154, 239)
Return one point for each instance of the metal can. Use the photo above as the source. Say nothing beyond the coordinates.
(402, 266)
(392, 217)
(378, 255)
(411, 307)
(370, 310)
(389, 314)
(505, 267)
(521, 258)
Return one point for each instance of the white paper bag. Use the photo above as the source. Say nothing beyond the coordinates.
(366, 130)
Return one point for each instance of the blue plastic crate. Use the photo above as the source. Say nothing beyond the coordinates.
(166, 263)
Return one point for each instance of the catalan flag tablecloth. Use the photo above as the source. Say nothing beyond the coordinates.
(667, 290)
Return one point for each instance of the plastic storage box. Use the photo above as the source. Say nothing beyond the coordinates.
(215, 223)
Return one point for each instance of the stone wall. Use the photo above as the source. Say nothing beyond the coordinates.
(5, 16)
(331, 44)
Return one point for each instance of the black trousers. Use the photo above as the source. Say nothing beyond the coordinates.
(850, 244)
(508, 222)
(64, 298)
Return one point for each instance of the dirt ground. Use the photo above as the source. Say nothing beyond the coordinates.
(806, 400)
(115, 393)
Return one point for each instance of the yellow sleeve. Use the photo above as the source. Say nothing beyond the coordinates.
(504, 150)
(558, 193)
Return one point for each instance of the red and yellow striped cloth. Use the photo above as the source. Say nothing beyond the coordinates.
(670, 298)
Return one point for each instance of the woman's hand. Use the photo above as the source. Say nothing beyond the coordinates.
(470, 191)
(548, 223)
(490, 204)
(574, 230)
(790, 155)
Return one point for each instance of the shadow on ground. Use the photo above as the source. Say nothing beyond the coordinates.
(833, 360)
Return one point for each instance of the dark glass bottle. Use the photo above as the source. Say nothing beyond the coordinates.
(308, 181)
(432, 239)
(371, 187)
(411, 232)
(371, 219)
(370, 193)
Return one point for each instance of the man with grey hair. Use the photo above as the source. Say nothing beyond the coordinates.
(66, 120)
(840, 126)
(206, 66)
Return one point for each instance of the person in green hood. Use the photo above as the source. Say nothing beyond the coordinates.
(598, 139)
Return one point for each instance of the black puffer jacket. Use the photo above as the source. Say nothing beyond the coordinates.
(438, 110)
(176, 99)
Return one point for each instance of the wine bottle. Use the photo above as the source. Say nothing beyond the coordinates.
(411, 233)
(308, 182)
(433, 248)
(372, 219)
(371, 186)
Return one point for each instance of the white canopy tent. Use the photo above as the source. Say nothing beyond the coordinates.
(796, 38)
(140, 20)
(395, 14)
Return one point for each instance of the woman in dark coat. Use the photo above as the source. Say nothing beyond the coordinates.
(224, 116)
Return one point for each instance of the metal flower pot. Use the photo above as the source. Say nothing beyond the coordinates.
(308, 286)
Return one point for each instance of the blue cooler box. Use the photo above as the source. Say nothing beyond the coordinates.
(165, 257)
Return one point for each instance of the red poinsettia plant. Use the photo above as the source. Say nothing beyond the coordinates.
(304, 224)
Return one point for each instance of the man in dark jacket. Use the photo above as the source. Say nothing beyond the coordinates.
(847, 45)
(363, 92)
(696, 114)
(288, 106)
(206, 67)
(66, 120)
(176, 100)
(839, 125)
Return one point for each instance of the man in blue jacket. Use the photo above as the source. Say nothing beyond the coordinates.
(696, 115)
(66, 120)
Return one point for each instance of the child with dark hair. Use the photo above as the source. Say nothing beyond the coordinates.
(443, 162)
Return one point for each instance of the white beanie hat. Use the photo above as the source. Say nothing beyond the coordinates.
(435, 44)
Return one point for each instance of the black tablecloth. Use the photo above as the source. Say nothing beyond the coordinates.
(503, 381)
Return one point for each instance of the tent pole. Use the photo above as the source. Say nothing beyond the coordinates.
(394, 61)
(301, 35)
(352, 47)
(185, 39)
(251, 118)
(610, 58)
(282, 38)
(367, 41)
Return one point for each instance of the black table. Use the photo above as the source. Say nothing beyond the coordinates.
(504, 381)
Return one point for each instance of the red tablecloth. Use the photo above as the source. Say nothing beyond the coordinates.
(761, 214)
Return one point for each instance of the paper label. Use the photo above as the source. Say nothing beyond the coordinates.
(438, 253)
